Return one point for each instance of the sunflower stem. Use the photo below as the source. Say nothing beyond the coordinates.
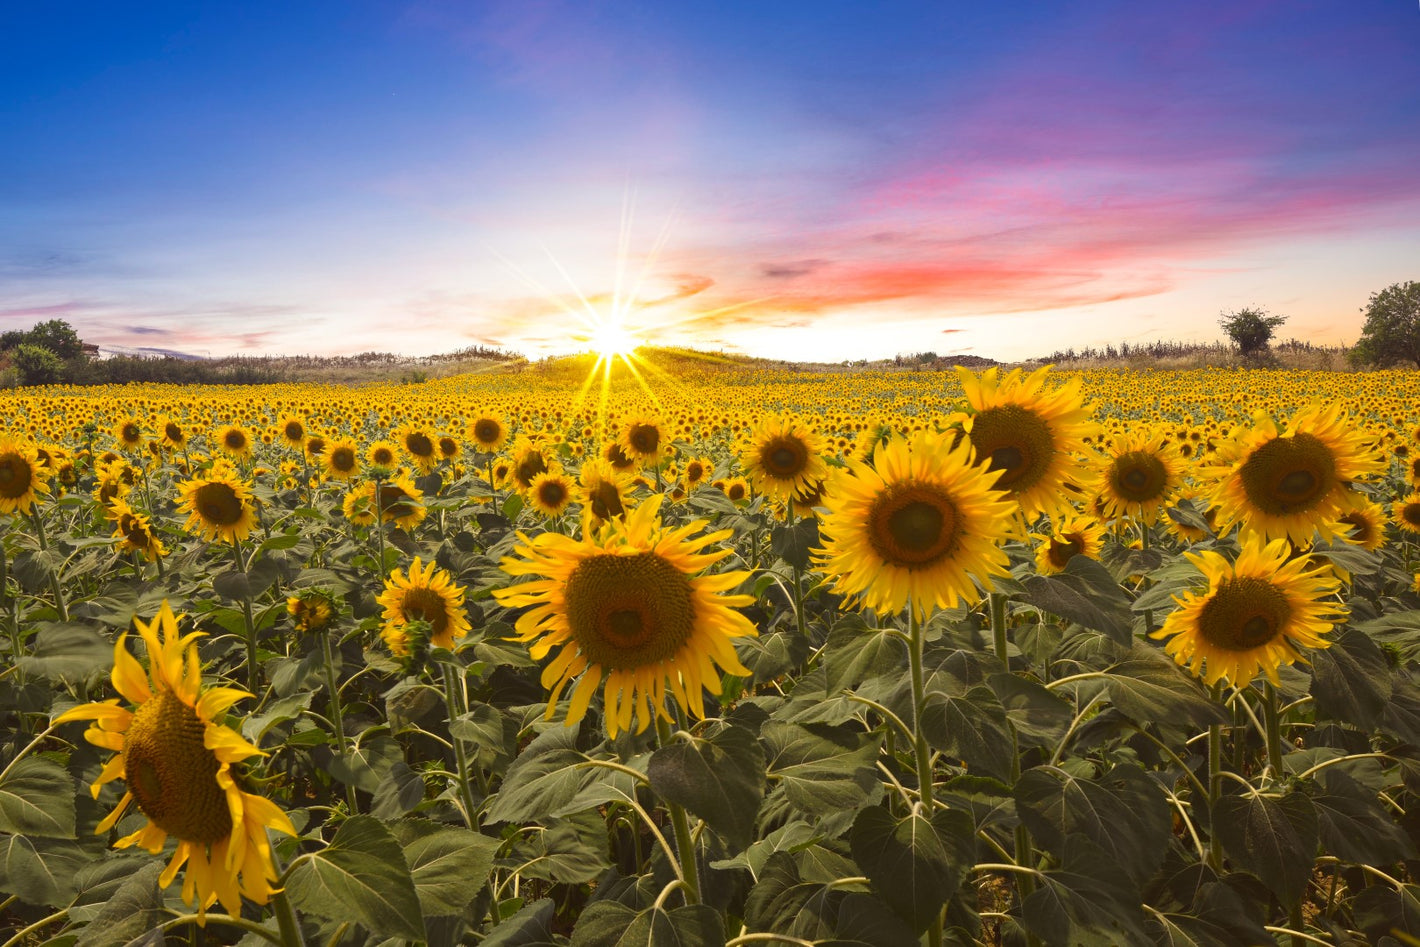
(925, 779)
(337, 713)
(379, 530)
(252, 666)
(1215, 782)
(453, 699)
(37, 518)
(1272, 720)
(685, 846)
(1025, 853)
(286, 920)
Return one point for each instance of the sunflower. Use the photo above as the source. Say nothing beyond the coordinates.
(528, 462)
(697, 469)
(380, 454)
(1407, 513)
(235, 440)
(784, 457)
(918, 525)
(133, 531)
(219, 506)
(449, 447)
(604, 492)
(551, 492)
(359, 505)
(315, 445)
(1076, 536)
(22, 476)
(311, 610)
(1291, 483)
(1255, 615)
(401, 502)
(643, 440)
(618, 458)
(736, 488)
(1028, 434)
(171, 433)
(292, 430)
(342, 459)
(1140, 473)
(487, 433)
(419, 444)
(428, 595)
(128, 433)
(177, 762)
(1365, 520)
(629, 604)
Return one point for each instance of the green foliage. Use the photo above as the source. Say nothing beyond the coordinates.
(1391, 334)
(37, 365)
(1250, 329)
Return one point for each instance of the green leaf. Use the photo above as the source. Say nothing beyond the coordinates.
(40, 871)
(35, 568)
(1087, 902)
(531, 926)
(483, 726)
(446, 863)
(720, 779)
(1353, 826)
(972, 728)
(793, 543)
(856, 652)
(366, 766)
(823, 769)
(611, 924)
(1086, 594)
(232, 585)
(1381, 910)
(1351, 680)
(1124, 814)
(360, 876)
(549, 779)
(914, 864)
(570, 851)
(1275, 839)
(135, 908)
(66, 652)
(37, 798)
(1037, 712)
(400, 791)
(1150, 688)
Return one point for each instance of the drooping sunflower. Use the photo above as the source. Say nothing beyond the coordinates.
(528, 462)
(425, 594)
(176, 759)
(133, 531)
(1139, 475)
(219, 506)
(342, 459)
(919, 524)
(643, 439)
(1291, 483)
(22, 476)
(1256, 614)
(1076, 536)
(551, 492)
(784, 457)
(629, 604)
(605, 492)
(1029, 434)
(487, 433)
(420, 445)
(235, 440)
(617, 457)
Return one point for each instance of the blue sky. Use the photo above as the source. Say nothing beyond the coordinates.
(826, 180)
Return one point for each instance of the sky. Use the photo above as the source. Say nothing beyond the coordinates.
(815, 181)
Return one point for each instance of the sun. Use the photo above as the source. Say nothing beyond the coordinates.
(612, 340)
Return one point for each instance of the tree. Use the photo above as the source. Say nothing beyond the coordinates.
(1250, 329)
(1392, 330)
(59, 337)
(37, 365)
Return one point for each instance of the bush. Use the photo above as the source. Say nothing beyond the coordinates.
(1250, 329)
(1391, 334)
(38, 365)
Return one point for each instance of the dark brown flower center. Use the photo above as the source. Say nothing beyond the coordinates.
(628, 612)
(172, 774)
(1244, 613)
(912, 524)
(1016, 442)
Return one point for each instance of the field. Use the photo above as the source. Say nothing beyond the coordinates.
(710, 653)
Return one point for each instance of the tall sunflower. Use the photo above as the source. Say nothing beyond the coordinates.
(133, 530)
(1407, 513)
(487, 433)
(1029, 434)
(425, 594)
(219, 506)
(643, 440)
(1140, 472)
(1364, 520)
(420, 445)
(1291, 483)
(551, 492)
(22, 476)
(292, 429)
(605, 492)
(784, 457)
(342, 459)
(129, 433)
(172, 433)
(176, 759)
(1256, 614)
(629, 605)
(920, 525)
(235, 440)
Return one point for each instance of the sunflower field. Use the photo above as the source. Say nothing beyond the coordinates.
(724, 658)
